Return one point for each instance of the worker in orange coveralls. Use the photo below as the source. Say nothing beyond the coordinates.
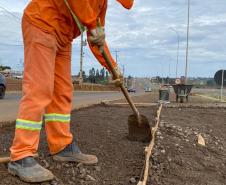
(48, 31)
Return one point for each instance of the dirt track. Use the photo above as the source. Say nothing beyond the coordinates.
(177, 159)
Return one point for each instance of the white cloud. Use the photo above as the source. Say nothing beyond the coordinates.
(147, 45)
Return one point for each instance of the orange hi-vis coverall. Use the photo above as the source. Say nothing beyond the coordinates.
(48, 30)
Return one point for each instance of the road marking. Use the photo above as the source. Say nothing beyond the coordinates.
(137, 104)
(209, 97)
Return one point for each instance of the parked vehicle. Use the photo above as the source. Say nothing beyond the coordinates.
(131, 90)
(18, 76)
(167, 85)
(2, 86)
(147, 89)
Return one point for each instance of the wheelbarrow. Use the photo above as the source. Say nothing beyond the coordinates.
(182, 91)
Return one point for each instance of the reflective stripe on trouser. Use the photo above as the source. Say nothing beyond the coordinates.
(28, 125)
(64, 118)
(47, 88)
(58, 128)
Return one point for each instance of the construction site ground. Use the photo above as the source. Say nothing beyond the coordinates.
(177, 158)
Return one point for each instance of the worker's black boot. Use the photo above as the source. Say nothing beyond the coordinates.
(72, 153)
(28, 170)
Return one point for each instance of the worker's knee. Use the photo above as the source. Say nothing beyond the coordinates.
(41, 93)
(64, 94)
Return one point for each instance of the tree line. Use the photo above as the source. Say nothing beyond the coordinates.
(2, 68)
(96, 76)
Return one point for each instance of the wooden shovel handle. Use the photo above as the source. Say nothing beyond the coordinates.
(115, 76)
(123, 89)
(7, 159)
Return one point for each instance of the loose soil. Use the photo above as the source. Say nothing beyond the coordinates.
(177, 158)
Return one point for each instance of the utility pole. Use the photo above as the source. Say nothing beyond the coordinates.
(178, 47)
(188, 26)
(116, 55)
(123, 70)
(22, 66)
(222, 85)
(123, 74)
(169, 72)
(81, 61)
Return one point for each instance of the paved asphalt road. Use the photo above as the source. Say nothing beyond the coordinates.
(9, 105)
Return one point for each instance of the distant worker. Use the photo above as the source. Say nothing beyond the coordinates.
(48, 31)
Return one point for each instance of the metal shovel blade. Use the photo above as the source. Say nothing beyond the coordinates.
(139, 130)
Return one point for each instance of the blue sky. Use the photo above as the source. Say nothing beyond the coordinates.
(146, 44)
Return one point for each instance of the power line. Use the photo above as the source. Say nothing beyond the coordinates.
(4, 44)
(18, 19)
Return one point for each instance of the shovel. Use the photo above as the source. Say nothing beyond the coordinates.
(138, 125)
(6, 159)
(139, 128)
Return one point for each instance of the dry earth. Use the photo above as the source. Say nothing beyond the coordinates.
(177, 158)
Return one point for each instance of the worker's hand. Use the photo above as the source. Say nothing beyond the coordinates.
(119, 80)
(97, 37)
